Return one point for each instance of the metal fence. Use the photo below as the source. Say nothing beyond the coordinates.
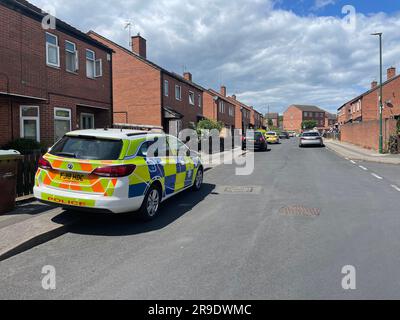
(27, 168)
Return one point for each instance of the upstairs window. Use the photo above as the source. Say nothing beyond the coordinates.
(94, 68)
(221, 107)
(231, 113)
(166, 88)
(52, 50)
(71, 57)
(191, 98)
(178, 93)
(199, 100)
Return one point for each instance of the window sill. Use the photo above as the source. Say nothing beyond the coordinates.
(53, 66)
(73, 72)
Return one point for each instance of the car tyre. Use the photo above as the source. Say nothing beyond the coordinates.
(198, 181)
(151, 203)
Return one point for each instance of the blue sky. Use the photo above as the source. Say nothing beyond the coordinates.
(334, 7)
(267, 52)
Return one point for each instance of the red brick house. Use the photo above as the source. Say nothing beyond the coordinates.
(365, 106)
(274, 117)
(258, 120)
(51, 81)
(295, 115)
(243, 114)
(218, 107)
(147, 94)
(359, 117)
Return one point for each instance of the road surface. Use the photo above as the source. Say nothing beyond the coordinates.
(237, 243)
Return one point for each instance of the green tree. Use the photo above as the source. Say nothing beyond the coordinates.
(270, 123)
(309, 124)
(208, 124)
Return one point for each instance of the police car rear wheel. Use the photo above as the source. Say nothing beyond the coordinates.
(198, 182)
(151, 204)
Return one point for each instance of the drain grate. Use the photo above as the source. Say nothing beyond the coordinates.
(300, 211)
(238, 190)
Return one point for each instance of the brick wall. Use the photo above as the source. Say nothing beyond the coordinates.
(292, 119)
(23, 71)
(136, 86)
(190, 112)
(366, 134)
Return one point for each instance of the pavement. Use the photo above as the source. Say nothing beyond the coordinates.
(284, 232)
(351, 151)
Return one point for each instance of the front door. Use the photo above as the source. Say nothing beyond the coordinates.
(87, 121)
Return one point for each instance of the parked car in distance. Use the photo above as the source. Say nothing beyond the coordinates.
(311, 138)
(258, 140)
(292, 134)
(272, 137)
(116, 171)
(284, 135)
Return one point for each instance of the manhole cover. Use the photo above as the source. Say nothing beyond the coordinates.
(238, 190)
(300, 211)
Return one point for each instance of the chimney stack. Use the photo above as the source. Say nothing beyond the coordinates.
(139, 46)
(391, 73)
(223, 91)
(187, 76)
(234, 97)
(374, 84)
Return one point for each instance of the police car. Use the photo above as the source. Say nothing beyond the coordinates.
(117, 171)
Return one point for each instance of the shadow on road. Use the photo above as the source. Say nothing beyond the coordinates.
(128, 224)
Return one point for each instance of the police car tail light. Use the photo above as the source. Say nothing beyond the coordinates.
(44, 164)
(115, 171)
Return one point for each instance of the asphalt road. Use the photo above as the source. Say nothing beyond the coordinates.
(222, 245)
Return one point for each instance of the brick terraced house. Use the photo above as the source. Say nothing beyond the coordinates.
(359, 118)
(51, 80)
(243, 114)
(146, 94)
(274, 117)
(365, 106)
(218, 107)
(295, 115)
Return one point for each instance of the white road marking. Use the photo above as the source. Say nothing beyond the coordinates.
(396, 187)
(352, 161)
(376, 176)
(364, 168)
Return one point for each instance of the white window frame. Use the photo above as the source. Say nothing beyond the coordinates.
(63, 118)
(166, 88)
(221, 106)
(22, 118)
(200, 101)
(86, 115)
(100, 62)
(94, 63)
(76, 57)
(191, 93)
(231, 112)
(180, 93)
(48, 45)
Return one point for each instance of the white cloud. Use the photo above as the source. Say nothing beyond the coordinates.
(264, 55)
(322, 3)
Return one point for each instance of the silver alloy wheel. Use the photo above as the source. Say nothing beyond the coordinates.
(199, 179)
(153, 201)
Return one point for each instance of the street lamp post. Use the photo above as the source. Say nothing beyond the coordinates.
(380, 93)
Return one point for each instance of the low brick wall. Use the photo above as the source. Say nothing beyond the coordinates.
(366, 134)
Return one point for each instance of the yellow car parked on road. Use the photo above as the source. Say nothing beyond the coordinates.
(272, 137)
(116, 171)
